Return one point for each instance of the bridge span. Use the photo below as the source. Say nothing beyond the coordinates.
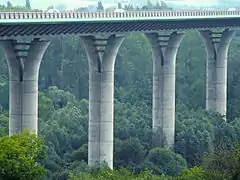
(14, 24)
(102, 34)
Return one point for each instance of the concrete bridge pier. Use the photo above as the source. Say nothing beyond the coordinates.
(101, 55)
(217, 44)
(23, 60)
(164, 51)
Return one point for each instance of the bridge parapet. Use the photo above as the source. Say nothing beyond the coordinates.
(113, 15)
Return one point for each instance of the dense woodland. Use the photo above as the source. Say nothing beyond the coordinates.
(202, 138)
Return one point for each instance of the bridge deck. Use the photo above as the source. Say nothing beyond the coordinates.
(13, 24)
(40, 17)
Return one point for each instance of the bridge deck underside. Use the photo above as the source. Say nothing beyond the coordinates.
(90, 28)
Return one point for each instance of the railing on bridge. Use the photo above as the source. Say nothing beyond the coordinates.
(112, 15)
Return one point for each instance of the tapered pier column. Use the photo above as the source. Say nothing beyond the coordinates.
(217, 45)
(23, 63)
(101, 55)
(164, 51)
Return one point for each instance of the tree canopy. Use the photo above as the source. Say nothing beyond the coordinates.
(20, 157)
(28, 5)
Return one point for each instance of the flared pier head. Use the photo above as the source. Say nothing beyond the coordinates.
(216, 45)
(164, 51)
(23, 61)
(101, 54)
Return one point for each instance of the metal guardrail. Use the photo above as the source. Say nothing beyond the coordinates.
(112, 15)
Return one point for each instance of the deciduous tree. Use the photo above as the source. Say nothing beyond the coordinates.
(20, 157)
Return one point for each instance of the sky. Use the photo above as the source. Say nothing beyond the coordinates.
(43, 4)
(194, 2)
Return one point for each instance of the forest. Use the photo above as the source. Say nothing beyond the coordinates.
(206, 147)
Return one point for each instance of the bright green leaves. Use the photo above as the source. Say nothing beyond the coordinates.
(20, 157)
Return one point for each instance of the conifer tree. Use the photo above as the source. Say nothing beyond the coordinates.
(28, 5)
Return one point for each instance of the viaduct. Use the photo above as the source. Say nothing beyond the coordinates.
(102, 34)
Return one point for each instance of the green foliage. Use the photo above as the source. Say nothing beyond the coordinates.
(100, 6)
(45, 107)
(121, 174)
(164, 161)
(10, 8)
(195, 173)
(3, 125)
(20, 157)
(9, 4)
(222, 164)
(194, 134)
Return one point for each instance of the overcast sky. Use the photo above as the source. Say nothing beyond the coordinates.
(43, 4)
